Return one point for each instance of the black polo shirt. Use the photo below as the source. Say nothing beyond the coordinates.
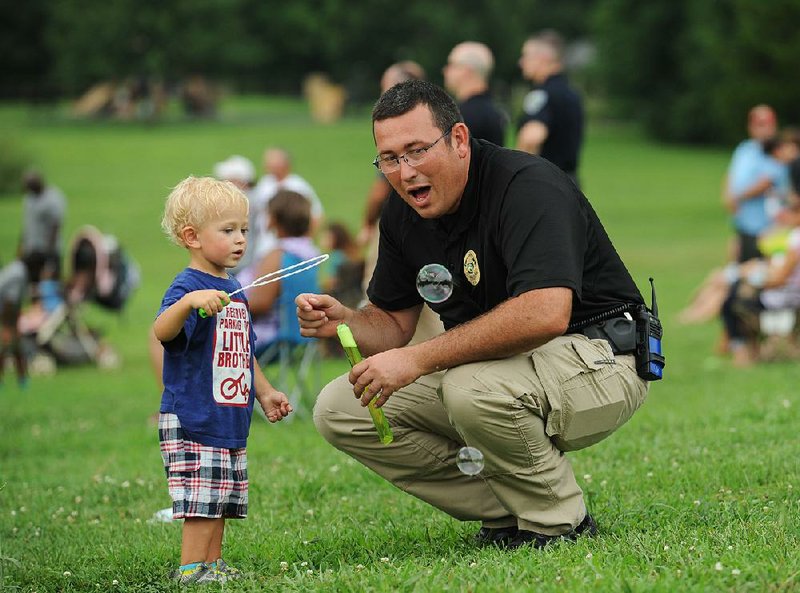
(484, 120)
(559, 107)
(521, 225)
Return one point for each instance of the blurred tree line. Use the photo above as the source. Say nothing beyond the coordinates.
(62, 48)
(688, 70)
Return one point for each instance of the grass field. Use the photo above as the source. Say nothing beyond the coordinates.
(699, 492)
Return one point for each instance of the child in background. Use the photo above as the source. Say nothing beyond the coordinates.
(343, 276)
(345, 267)
(209, 374)
(13, 286)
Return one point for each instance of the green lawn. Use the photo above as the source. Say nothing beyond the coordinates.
(697, 493)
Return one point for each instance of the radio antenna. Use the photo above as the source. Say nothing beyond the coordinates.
(654, 307)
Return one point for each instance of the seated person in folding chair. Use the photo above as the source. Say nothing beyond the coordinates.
(272, 305)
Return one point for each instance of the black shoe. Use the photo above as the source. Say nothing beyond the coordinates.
(586, 527)
(497, 536)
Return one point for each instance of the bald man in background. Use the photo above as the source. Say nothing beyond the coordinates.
(380, 189)
(466, 76)
(400, 72)
(278, 176)
(429, 324)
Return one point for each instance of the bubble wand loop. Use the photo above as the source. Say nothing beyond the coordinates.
(277, 275)
(354, 357)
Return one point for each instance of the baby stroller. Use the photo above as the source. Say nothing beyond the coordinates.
(101, 272)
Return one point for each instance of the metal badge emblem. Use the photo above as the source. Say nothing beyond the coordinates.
(471, 269)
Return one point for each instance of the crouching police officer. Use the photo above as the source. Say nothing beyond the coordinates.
(530, 261)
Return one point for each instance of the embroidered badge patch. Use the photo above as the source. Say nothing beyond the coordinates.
(471, 269)
(534, 101)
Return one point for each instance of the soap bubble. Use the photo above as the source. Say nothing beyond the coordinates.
(469, 460)
(434, 283)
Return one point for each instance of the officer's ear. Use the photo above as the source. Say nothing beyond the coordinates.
(460, 139)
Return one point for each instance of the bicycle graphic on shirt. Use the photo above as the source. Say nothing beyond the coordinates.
(231, 388)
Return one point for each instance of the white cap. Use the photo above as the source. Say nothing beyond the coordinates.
(235, 168)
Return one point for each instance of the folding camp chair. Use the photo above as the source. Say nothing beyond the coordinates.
(292, 362)
(294, 369)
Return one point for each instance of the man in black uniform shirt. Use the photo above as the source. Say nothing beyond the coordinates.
(529, 257)
(466, 75)
(552, 120)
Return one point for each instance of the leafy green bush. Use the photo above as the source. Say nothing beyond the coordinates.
(690, 71)
(14, 159)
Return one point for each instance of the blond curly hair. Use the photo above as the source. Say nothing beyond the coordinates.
(197, 200)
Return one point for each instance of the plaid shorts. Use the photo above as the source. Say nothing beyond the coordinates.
(203, 481)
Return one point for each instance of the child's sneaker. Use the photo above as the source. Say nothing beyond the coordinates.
(226, 569)
(200, 573)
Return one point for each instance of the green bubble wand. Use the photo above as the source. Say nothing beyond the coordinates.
(354, 357)
(275, 276)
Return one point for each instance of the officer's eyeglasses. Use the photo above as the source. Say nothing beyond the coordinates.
(413, 158)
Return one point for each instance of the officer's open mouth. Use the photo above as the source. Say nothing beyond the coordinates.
(420, 193)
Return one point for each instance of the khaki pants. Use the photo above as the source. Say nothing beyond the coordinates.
(521, 412)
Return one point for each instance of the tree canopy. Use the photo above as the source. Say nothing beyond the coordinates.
(687, 70)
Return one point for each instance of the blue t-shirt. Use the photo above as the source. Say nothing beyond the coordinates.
(750, 164)
(208, 366)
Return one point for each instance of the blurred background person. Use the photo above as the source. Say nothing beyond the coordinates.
(240, 171)
(429, 323)
(552, 121)
(278, 176)
(342, 275)
(380, 188)
(43, 211)
(782, 211)
(400, 72)
(768, 283)
(750, 176)
(272, 306)
(757, 191)
(783, 149)
(345, 268)
(466, 76)
(13, 288)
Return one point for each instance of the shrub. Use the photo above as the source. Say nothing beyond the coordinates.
(14, 158)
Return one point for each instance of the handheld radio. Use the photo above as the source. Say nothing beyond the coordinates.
(649, 357)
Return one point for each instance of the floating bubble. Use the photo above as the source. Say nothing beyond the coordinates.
(434, 283)
(469, 460)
